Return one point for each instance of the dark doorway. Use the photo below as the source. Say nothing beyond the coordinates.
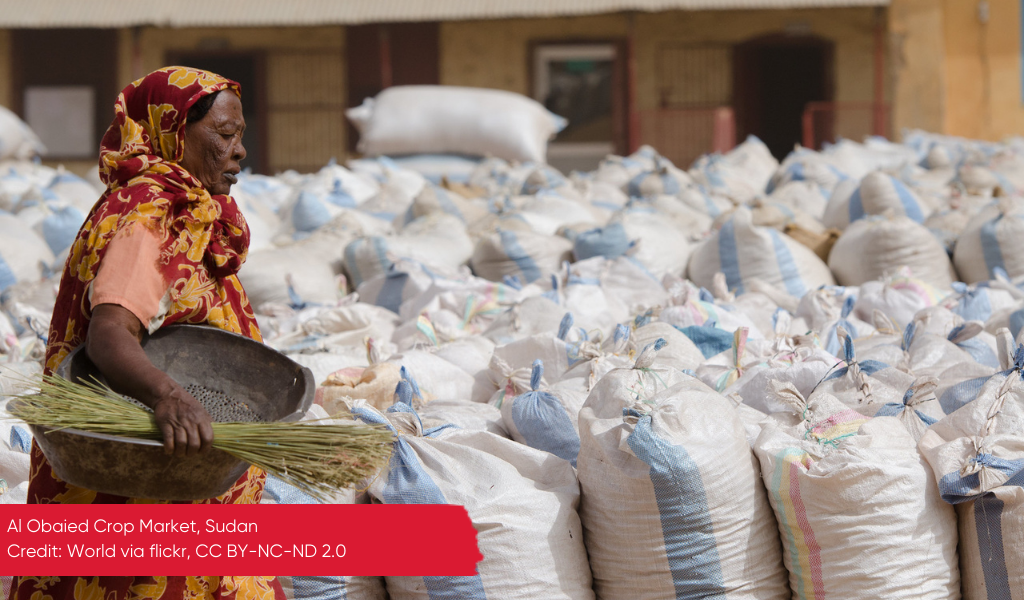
(775, 78)
(383, 55)
(247, 70)
(58, 61)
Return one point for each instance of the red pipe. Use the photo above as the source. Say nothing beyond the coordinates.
(385, 57)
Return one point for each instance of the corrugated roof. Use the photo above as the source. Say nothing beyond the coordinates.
(254, 13)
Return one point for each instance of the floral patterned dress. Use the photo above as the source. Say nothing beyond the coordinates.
(201, 242)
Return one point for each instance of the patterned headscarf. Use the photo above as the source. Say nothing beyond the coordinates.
(204, 238)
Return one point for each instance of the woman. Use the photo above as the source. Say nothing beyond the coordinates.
(161, 246)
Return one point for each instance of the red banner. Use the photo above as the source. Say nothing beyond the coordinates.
(94, 539)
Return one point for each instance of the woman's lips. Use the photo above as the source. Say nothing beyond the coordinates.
(231, 178)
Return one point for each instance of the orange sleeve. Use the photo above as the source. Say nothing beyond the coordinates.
(128, 275)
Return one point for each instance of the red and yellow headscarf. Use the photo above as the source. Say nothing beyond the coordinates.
(204, 238)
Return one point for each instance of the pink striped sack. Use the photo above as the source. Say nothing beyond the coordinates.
(858, 509)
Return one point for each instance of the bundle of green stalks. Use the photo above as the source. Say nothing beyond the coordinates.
(318, 458)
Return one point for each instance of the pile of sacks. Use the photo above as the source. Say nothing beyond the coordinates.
(742, 380)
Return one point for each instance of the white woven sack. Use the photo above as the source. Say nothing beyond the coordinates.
(17, 140)
(872, 247)
(437, 239)
(535, 314)
(272, 275)
(622, 279)
(544, 419)
(366, 258)
(858, 509)
(523, 254)
(876, 194)
(337, 328)
(437, 378)
(992, 239)
(672, 504)
(322, 587)
(434, 199)
(332, 587)
(661, 247)
(472, 354)
(15, 444)
(804, 196)
(704, 202)
(898, 296)
(521, 501)
(807, 165)
(23, 254)
(559, 351)
(424, 119)
(744, 252)
(977, 454)
(472, 416)
(546, 212)
(679, 352)
(263, 222)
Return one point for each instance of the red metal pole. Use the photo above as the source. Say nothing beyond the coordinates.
(878, 110)
(633, 129)
(808, 126)
(385, 57)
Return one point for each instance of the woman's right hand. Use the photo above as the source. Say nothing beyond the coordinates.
(113, 345)
(185, 424)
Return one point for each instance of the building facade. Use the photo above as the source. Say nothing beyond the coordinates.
(686, 76)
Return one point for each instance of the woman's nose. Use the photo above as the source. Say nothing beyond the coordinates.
(239, 153)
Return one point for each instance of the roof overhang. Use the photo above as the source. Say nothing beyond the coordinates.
(262, 13)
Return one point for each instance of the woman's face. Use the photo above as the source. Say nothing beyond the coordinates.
(213, 145)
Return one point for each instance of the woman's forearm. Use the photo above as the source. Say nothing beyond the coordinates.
(113, 345)
(116, 351)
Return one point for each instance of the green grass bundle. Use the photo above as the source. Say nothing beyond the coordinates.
(319, 458)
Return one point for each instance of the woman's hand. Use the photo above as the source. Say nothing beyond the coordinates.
(186, 425)
(113, 345)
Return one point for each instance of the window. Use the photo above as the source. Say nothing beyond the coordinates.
(65, 86)
(577, 81)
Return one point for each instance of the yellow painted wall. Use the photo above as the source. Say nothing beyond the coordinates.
(983, 70)
(917, 64)
(495, 53)
(305, 82)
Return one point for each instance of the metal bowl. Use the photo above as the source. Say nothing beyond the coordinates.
(204, 360)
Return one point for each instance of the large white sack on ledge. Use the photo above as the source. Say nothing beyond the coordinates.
(420, 119)
(876, 246)
(744, 252)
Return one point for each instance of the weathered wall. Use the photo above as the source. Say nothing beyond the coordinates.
(917, 64)
(496, 53)
(304, 74)
(983, 69)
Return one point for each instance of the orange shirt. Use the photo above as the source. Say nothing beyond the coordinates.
(128, 276)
